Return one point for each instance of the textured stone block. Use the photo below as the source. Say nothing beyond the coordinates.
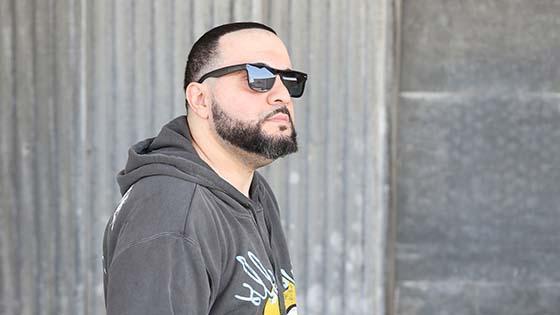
(478, 193)
(469, 298)
(488, 45)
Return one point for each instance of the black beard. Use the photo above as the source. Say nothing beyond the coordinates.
(251, 138)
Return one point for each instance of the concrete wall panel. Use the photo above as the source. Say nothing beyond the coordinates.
(477, 155)
(488, 45)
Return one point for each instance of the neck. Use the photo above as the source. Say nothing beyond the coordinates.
(227, 163)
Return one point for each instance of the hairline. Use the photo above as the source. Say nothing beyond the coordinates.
(214, 61)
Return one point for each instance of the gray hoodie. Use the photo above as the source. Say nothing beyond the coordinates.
(184, 241)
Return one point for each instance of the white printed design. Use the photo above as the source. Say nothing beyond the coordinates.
(263, 287)
(121, 203)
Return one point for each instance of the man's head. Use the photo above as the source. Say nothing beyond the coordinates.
(239, 88)
(205, 50)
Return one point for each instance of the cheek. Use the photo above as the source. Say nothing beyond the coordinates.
(240, 109)
(236, 104)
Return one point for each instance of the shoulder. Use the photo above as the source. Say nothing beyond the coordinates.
(154, 205)
(159, 205)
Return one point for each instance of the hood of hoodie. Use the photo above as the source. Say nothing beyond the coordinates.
(171, 153)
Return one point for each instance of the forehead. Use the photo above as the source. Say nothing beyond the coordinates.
(252, 46)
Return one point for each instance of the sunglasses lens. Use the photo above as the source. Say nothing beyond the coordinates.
(260, 78)
(294, 82)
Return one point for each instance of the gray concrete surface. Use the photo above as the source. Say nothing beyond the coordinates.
(478, 158)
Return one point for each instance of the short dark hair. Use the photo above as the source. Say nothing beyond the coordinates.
(206, 48)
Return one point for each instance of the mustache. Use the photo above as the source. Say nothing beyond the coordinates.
(283, 110)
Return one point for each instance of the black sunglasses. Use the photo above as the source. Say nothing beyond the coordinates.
(261, 77)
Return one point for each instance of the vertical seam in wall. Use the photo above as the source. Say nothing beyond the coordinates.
(396, 8)
(231, 10)
(56, 165)
(171, 60)
(90, 39)
(113, 86)
(306, 172)
(81, 202)
(152, 107)
(212, 10)
(38, 277)
(289, 162)
(15, 303)
(345, 147)
(328, 157)
(134, 111)
(366, 161)
(75, 196)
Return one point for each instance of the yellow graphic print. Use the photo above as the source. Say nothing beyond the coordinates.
(271, 307)
(261, 286)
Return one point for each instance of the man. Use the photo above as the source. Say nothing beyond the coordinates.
(198, 229)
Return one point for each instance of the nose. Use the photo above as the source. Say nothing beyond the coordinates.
(279, 93)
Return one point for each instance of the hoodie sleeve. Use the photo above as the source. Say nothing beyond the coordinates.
(162, 275)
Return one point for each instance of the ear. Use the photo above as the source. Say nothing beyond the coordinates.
(199, 98)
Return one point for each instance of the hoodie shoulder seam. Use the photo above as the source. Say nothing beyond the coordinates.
(151, 238)
(188, 208)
